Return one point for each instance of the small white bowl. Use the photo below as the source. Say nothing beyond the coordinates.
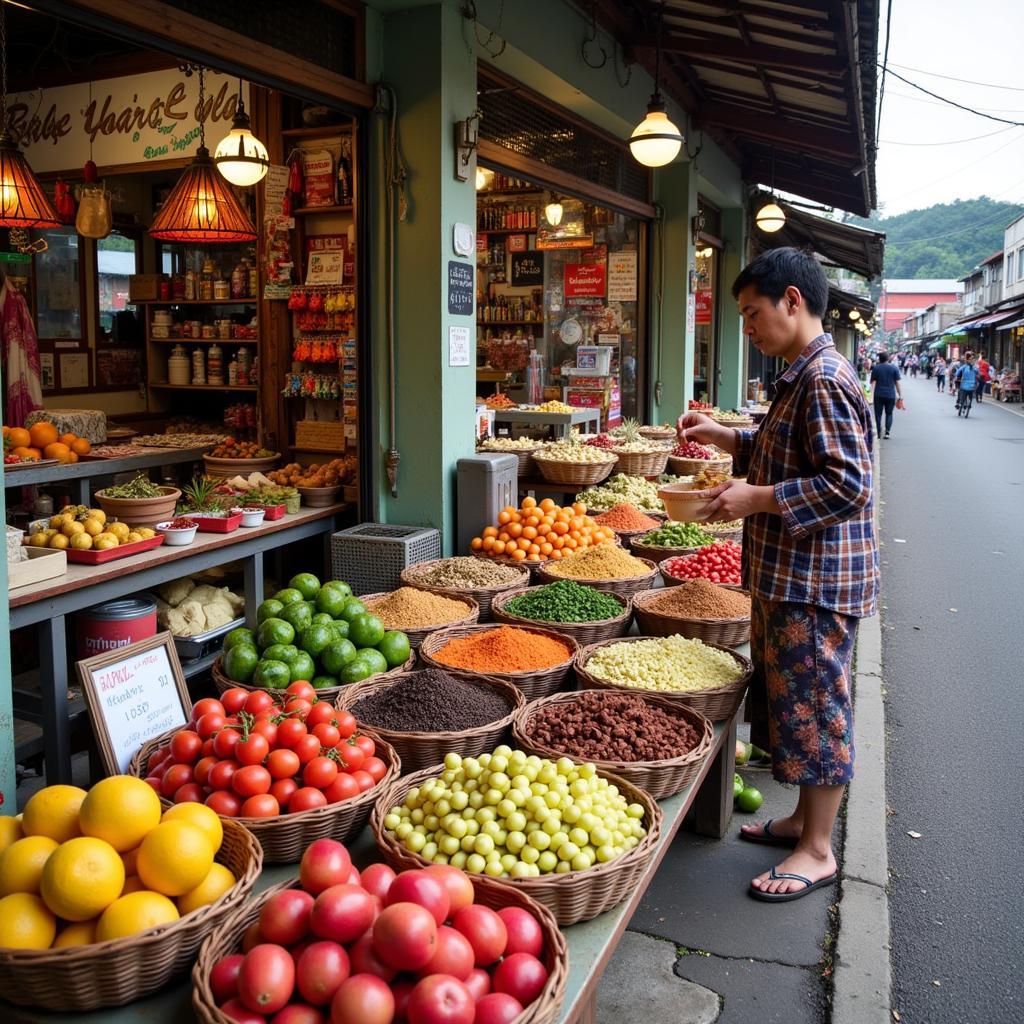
(251, 516)
(176, 537)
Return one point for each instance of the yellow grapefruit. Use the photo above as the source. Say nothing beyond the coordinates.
(204, 818)
(120, 810)
(82, 878)
(10, 831)
(25, 923)
(82, 933)
(211, 888)
(134, 913)
(174, 858)
(21, 864)
(53, 812)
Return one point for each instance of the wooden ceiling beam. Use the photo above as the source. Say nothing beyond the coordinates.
(779, 132)
(755, 54)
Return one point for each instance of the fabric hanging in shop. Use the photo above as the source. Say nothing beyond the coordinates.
(19, 354)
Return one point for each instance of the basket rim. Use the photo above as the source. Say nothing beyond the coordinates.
(571, 462)
(168, 491)
(500, 601)
(440, 638)
(650, 594)
(545, 574)
(473, 608)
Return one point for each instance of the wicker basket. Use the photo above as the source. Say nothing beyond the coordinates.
(657, 555)
(523, 455)
(736, 536)
(575, 474)
(285, 838)
(626, 587)
(419, 750)
(227, 938)
(82, 978)
(222, 682)
(658, 433)
(582, 632)
(736, 422)
(641, 463)
(681, 466)
(659, 778)
(417, 636)
(721, 632)
(532, 684)
(719, 704)
(530, 564)
(572, 897)
(482, 595)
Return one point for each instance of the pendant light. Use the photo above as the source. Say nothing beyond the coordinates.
(240, 156)
(201, 208)
(656, 141)
(23, 203)
(553, 211)
(771, 217)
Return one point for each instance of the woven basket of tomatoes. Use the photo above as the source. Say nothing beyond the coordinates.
(289, 767)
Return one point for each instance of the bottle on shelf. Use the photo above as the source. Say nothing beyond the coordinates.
(198, 365)
(215, 366)
(233, 372)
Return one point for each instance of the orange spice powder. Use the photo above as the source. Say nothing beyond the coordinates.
(505, 649)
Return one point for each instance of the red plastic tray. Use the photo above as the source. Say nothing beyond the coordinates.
(112, 554)
(217, 524)
(273, 512)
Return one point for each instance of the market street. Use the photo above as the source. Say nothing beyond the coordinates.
(953, 561)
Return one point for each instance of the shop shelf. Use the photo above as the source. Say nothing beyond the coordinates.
(206, 387)
(510, 323)
(303, 211)
(507, 231)
(251, 301)
(205, 341)
(324, 131)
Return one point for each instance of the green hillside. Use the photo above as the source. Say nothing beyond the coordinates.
(946, 240)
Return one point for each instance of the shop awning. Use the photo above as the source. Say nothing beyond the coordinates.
(1012, 324)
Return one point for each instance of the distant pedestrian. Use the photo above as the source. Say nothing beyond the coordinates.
(885, 378)
(928, 365)
(913, 366)
(951, 370)
(984, 376)
(940, 373)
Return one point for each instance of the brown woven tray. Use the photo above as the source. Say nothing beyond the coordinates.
(227, 938)
(572, 897)
(682, 466)
(719, 704)
(523, 455)
(285, 838)
(417, 636)
(77, 979)
(482, 595)
(736, 536)
(657, 555)
(622, 588)
(658, 433)
(582, 632)
(419, 750)
(531, 684)
(575, 474)
(722, 632)
(641, 463)
(659, 778)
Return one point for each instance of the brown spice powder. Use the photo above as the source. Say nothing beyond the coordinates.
(409, 608)
(701, 599)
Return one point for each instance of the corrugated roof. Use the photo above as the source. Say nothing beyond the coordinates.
(924, 286)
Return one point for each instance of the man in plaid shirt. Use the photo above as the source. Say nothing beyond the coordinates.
(809, 556)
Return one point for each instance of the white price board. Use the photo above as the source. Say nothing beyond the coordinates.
(622, 273)
(458, 346)
(134, 694)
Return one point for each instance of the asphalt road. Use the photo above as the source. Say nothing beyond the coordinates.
(953, 648)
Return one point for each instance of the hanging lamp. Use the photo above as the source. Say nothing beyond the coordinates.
(553, 212)
(23, 203)
(771, 217)
(656, 141)
(201, 208)
(240, 156)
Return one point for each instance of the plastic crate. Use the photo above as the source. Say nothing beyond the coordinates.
(370, 556)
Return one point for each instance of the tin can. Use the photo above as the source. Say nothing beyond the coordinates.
(115, 624)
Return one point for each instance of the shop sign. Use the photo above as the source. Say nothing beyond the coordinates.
(527, 269)
(622, 274)
(131, 120)
(585, 280)
(461, 288)
(458, 346)
(691, 314)
(482, 242)
(547, 241)
(517, 243)
(327, 267)
(704, 306)
(275, 185)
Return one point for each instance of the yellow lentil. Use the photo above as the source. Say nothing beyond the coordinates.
(601, 562)
(667, 664)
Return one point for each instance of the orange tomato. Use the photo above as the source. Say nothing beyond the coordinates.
(20, 437)
(546, 549)
(26, 453)
(514, 529)
(579, 508)
(503, 517)
(530, 532)
(561, 527)
(529, 502)
(533, 550)
(499, 547)
(55, 450)
(488, 543)
(42, 434)
(491, 531)
(519, 555)
(547, 504)
(556, 555)
(80, 446)
(476, 544)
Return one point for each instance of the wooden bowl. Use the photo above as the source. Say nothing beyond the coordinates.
(227, 468)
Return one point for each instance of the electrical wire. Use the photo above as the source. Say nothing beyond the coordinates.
(952, 103)
(963, 81)
(949, 142)
(911, 98)
(884, 65)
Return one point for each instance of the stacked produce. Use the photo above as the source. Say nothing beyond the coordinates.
(321, 634)
(564, 601)
(330, 474)
(692, 450)
(641, 493)
(499, 401)
(186, 609)
(574, 451)
(377, 947)
(466, 573)
(409, 608)
(87, 529)
(230, 448)
(554, 406)
(507, 814)
(626, 518)
(176, 440)
(86, 867)
(700, 599)
(718, 562)
(669, 664)
(42, 441)
(604, 562)
(538, 531)
(504, 649)
(510, 444)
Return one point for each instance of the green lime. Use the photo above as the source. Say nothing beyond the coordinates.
(288, 595)
(281, 652)
(331, 600)
(313, 639)
(365, 630)
(749, 800)
(353, 607)
(241, 635)
(339, 585)
(374, 658)
(274, 631)
(323, 682)
(298, 615)
(356, 670)
(239, 662)
(272, 675)
(306, 584)
(340, 627)
(738, 785)
(269, 609)
(334, 657)
(322, 619)
(394, 645)
(302, 667)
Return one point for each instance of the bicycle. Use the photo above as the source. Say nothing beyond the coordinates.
(964, 398)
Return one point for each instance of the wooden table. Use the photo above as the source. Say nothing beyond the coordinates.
(562, 422)
(47, 604)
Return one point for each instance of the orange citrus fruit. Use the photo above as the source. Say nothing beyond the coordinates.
(10, 831)
(174, 858)
(20, 437)
(25, 923)
(134, 913)
(81, 878)
(120, 810)
(204, 818)
(81, 933)
(27, 453)
(42, 434)
(132, 884)
(80, 446)
(21, 864)
(55, 450)
(53, 812)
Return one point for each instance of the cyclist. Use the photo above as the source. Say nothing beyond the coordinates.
(967, 379)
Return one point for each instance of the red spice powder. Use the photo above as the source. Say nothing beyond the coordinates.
(627, 518)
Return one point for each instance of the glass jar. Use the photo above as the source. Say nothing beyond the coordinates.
(198, 366)
(215, 365)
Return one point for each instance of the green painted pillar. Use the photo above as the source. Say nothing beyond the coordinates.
(433, 72)
(732, 389)
(7, 773)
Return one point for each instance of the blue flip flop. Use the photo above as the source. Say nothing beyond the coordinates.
(768, 837)
(786, 897)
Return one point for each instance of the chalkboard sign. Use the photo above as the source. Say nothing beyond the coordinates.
(461, 288)
(527, 269)
(134, 694)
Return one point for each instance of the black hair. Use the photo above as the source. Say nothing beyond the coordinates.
(777, 269)
(883, 357)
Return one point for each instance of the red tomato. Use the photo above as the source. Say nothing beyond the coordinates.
(306, 799)
(223, 801)
(440, 999)
(175, 777)
(252, 750)
(191, 792)
(289, 732)
(453, 956)
(186, 746)
(366, 745)
(456, 883)
(208, 725)
(300, 688)
(257, 701)
(485, 930)
(282, 791)
(321, 968)
(376, 768)
(233, 700)
(346, 723)
(284, 918)
(321, 711)
(298, 706)
(363, 999)
(299, 1013)
(365, 960)
(478, 983)
(377, 878)
(320, 772)
(267, 728)
(225, 742)
(326, 862)
(327, 734)
(423, 889)
(224, 977)
(160, 770)
(235, 1010)
(251, 780)
(262, 805)
(342, 913)
(283, 763)
(496, 1008)
(520, 975)
(222, 773)
(201, 707)
(153, 781)
(159, 755)
(364, 779)
(201, 772)
(266, 978)
(524, 934)
(405, 936)
(344, 787)
(352, 755)
(307, 748)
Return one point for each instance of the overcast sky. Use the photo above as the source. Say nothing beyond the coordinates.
(980, 42)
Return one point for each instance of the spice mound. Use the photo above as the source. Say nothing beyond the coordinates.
(606, 726)
(505, 649)
(409, 608)
(466, 573)
(565, 601)
(668, 664)
(432, 701)
(626, 517)
(700, 599)
(603, 562)
(677, 535)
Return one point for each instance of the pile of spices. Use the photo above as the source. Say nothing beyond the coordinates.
(565, 601)
(140, 487)
(677, 535)
(604, 562)
(466, 573)
(409, 608)
(605, 726)
(432, 701)
(701, 599)
(505, 649)
(668, 664)
(626, 518)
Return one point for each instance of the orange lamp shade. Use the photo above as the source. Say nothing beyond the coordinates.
(23, 203)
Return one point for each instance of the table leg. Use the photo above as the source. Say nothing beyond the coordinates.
(53, 681)
(713, 804)
(82, 491)
(253, 583)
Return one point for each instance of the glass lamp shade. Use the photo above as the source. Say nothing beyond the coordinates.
(202, 208)
(23, 203)
(655, 141)
(771, 217)
(240, 156)
(854, 315)
(553, 214)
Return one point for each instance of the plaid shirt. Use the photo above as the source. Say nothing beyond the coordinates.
(814, 447)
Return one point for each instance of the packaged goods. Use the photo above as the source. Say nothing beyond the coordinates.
(409, 608)
(700, 599)
(604, 562)
(466, 572)
(626, 517)
(564, 601)
(505, 649)
(667, 664)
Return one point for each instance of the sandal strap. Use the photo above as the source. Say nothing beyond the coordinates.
(777, 875)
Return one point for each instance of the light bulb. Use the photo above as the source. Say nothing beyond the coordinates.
(553, 214)
(481, 179)
(770, 217)
(240, 156)
(655, 141)
(854, 315)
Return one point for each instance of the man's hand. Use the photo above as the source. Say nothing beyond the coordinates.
(695, 426)
(737, 499)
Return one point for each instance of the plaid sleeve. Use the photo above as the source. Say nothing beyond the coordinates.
(744, 449)
(840, 456)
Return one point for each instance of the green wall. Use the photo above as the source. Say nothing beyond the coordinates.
(7, 772)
